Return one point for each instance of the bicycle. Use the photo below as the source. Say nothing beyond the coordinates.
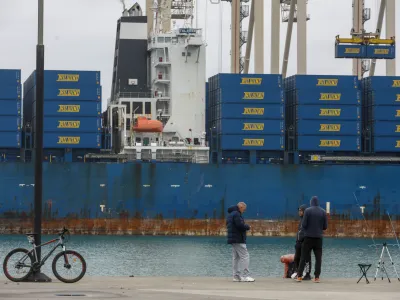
(34, 265)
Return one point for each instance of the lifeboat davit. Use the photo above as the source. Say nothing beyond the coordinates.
(142, 124)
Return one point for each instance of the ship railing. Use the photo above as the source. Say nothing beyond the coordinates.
(134, 95)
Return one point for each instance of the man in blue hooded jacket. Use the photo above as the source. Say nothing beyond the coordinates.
(314, 223)
(237, 229)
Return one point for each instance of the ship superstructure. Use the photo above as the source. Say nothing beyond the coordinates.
(159, 74)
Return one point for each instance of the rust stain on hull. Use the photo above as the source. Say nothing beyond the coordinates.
(195, 227)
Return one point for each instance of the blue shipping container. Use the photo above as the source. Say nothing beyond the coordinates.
(334, 112)
(382, 82)
(244, 94)
(66, 79)
(249, 111)
(315, 97)
(10, 107)
(385, 128)
(267, 81)
(10, 92)
(71, 124)
(10, 123)
(386, 144)
(328, 143)
(72, 140)
(9, 139)
(383, 97)
(250, 127)
(339, 128)
(350, 51)
(381, 52)
(73, 108)
(384, 113)
(329, 83)
(247, 142)
(10, 77)
(67, 94)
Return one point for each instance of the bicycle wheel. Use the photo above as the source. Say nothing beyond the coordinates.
(18, 260)
(69, 262)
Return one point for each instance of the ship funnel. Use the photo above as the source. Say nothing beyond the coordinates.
(135, 10)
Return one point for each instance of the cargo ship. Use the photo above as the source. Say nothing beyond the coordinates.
(172, 151)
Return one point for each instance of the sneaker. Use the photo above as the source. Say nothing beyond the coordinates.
(307, 277)
(294, 275)
(299, 279)
(237, 279)
(248, 279)
(316, 280)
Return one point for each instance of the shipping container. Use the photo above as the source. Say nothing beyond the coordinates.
(250, 127)
(382, 97)
(9, 92)
(73, 108)
(384, 128)
(328, 143)
(317, 127)
(72, 140)
(10, 77)
(350, 51)
(233, 81)
(248, 111)
(70, 124)
(251, 142)
(67, 94)
(328, 83)
(244, 94)
(10, 139)
(316, 97)
(381, 52)
(10, 108)
(384, 113)
(327, 112)
(65, 79)
(386, 144)
(10, 123)
(381, 82)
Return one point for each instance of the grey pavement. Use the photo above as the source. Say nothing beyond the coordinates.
(168, 288)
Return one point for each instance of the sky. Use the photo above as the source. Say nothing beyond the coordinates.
(80, 35)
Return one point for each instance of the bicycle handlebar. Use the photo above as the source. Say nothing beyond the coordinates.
(64, 231)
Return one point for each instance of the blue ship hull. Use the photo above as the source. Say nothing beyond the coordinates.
(195, 191)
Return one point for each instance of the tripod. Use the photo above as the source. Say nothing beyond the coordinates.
(381, 264)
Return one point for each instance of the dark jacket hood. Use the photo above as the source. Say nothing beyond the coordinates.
(303, 207)
(314, 201)
(233, 208)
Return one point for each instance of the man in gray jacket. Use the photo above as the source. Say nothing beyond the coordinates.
(314, 223)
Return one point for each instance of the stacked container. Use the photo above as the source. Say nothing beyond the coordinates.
(72, 108)
(381, 113)
(323, 113)
(246, 112)
(10, 109)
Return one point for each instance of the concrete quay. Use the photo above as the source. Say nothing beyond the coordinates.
(168, 288)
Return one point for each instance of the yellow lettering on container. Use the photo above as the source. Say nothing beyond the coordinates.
(253, 126)
(69, 108)
(398, 98)
(68, 78)
(251, 81)
(253, 111)
(397, 128)
(330, 127)
(397, 144)
(329, 143)
(69, 124)
(397, 113)
(352, 50)
(253, 142)
(330, 97)
(253, 95)
(69, 92)
(70, 140)
(396, 83)
(330, 112)
(381, 51)
(327, 82)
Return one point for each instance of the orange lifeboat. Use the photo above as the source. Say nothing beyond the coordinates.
(142, 124)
